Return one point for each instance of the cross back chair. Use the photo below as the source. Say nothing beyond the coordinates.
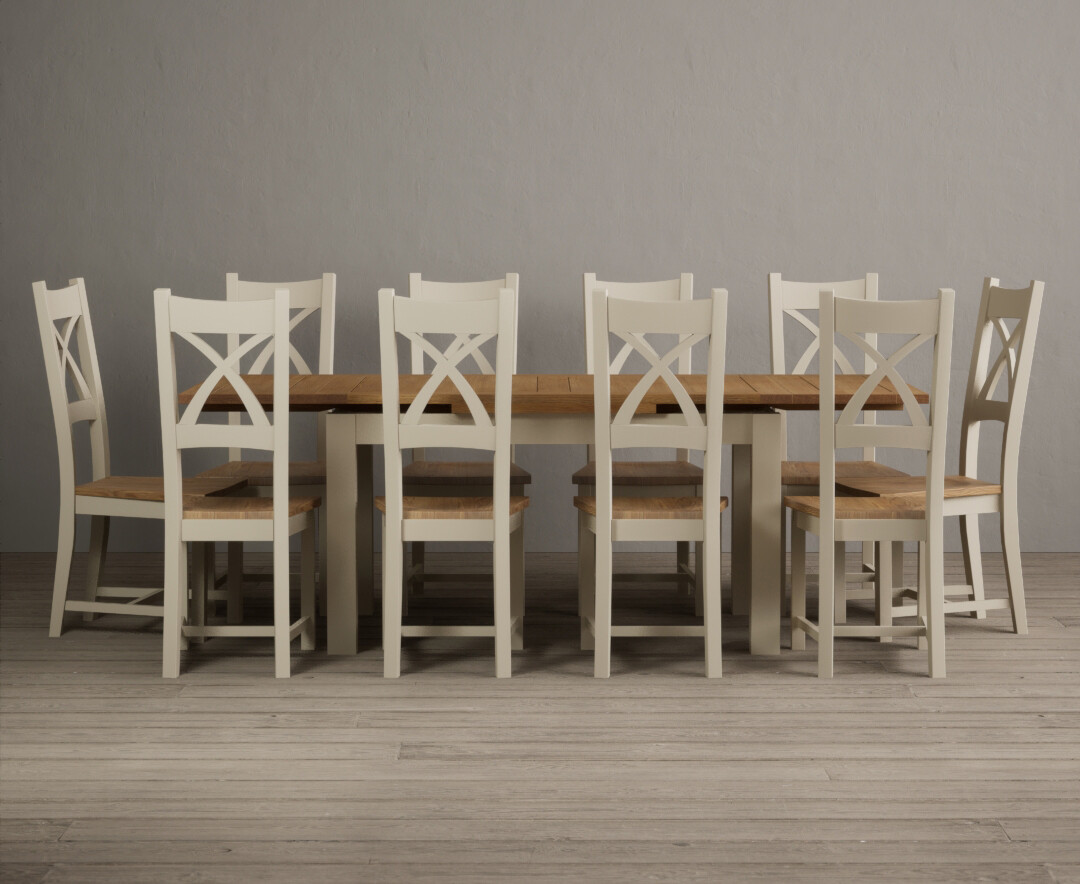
(436, 478)
(603, 518)
(274, 519)
(837, 520)
(792, 302)
(309, 301)
(967, 496)
(497, 518)
(649, 478)
(71, 359)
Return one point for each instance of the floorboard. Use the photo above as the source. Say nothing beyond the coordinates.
(109, 773)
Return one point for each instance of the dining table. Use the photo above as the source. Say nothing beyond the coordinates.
(554, 409)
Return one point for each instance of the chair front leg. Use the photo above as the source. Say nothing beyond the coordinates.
(602, 616)
(586, 582)
(840, 582)
(501, 562)
(711, 602)
(798, 585)
(971, 546)
(391, 601)
(282, 620)
(95, 563)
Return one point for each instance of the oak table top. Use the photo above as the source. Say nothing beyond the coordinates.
(551, 393)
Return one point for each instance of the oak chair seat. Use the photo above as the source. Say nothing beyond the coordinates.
(644, 472)
(244, 507)
(261, 472)
(906, 486)
(443, 472)
(152, 488)
(451, 507)
(863, 507)
(808, 472)
(650, 507)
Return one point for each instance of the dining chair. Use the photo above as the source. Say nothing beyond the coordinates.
(603, 518)
(257, 324)
(71, 367)
(314, 300)
(677, 477)
(438, 478)
(498, 518)
(966, 495)
(837, 520)
(796, 302)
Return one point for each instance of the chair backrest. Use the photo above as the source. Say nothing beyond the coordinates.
(472, 324)
(694, 322)
(1000, 306)
(256, 324)
(453, 292)
(855, 320)
(788, 299)
(793, 299)
(71, 356)
(310, 298)
(680, 289)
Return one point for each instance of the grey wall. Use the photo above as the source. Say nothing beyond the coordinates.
(151, 144)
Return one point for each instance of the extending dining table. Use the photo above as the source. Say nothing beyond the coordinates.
(555, 409)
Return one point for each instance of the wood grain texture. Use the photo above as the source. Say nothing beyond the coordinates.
(644, 472)
(808, 472)
(451, 507)
(261, 472)
(649, 507)
(445, 472)
(152, 488)
(552, 394)
(862, 507)
(915, 486)
(243, 507)
(109, 774)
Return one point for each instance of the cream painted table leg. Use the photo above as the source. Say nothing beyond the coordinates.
(765, 502)
(341, 530)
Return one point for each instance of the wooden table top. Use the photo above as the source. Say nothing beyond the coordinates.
(552, 393)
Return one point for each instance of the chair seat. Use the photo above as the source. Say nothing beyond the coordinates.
(244, 507)
(152, 488)
(915, 486)
(862, 507)
(451, 507)
(650, 507)
(645, 472)
(808, 472)
(442, 472)
(261, 472)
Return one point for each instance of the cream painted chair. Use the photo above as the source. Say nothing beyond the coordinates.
(645, 478)
(314, 300)
(498, 519)
(792, 301)
(273, 519)
(71, 359)
(436, 478)
(603, 518)
(966, 495)
(837, 520)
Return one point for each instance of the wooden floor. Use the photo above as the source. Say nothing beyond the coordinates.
(110, 774)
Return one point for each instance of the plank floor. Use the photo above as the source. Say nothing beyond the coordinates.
(110, 774)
